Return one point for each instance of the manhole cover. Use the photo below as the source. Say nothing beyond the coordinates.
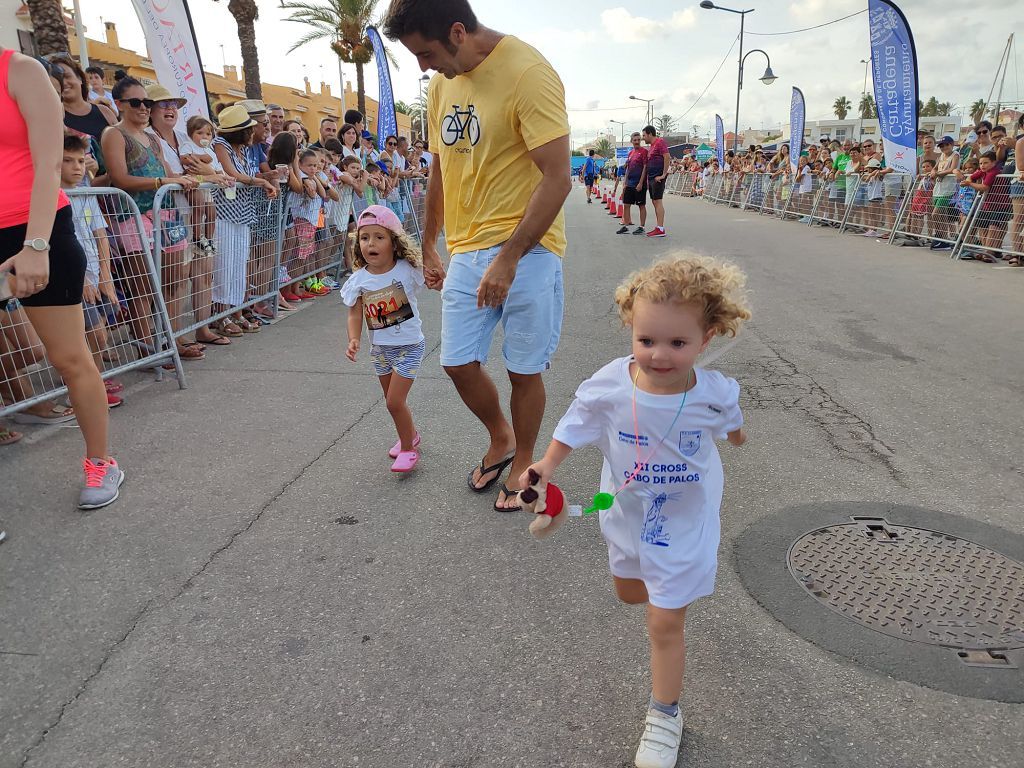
(914, 583)
(919, 595)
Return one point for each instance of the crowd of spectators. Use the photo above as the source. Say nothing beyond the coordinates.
(239, 175)
(852, 181)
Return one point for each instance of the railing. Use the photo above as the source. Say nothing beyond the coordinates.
(198, 257)
(894, 207)
(125, 316)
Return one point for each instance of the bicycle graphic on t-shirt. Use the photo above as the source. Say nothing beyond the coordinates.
(456, 126)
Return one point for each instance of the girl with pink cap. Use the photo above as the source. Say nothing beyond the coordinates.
(382, 290)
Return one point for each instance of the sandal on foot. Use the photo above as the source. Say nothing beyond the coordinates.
(397, 447)
(405, 461)
(226, 327)
(9, 436)
(509, 493)
(496, 468)
(216, 341)
(60, 416)
(190, 352)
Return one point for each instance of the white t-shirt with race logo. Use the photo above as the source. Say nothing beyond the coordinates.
(664, 526)
(389, 303)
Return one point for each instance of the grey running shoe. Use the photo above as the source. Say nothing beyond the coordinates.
(102, 481)
(622, 230)
(639, 231)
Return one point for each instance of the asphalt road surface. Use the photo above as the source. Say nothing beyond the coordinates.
(266, 594)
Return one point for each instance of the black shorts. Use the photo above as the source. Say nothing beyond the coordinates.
(589, 180)
(634, 196)
(656, 189)
(67, 261)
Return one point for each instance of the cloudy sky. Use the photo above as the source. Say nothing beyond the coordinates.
(666, 50)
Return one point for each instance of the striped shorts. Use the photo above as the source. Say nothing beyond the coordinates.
(404, 360)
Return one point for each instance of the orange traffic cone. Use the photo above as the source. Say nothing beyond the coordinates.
(620, 207)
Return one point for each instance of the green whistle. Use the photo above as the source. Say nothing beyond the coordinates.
(602, 501)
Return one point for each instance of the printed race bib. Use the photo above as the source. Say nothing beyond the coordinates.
(386, 307)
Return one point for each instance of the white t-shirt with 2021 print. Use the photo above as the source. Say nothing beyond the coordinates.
(664, 526)
(389, 303)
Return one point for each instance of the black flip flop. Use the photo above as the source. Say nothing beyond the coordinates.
(508, 493)
(498, 468)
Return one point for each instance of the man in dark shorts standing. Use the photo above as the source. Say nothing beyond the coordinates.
(654, 175)
(590, 174)
(634, 192)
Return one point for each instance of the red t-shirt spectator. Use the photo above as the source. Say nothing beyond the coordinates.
(998, 196)
(656, 158)
(635, 166)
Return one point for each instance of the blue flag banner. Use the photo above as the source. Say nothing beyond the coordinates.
(720, 141)
(387, 122)
(797, 113)
(894, 76)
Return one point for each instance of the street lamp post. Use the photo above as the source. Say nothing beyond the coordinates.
(423, 112)
(767, 78)
(863, 95)
(649, 114)
(622, 130)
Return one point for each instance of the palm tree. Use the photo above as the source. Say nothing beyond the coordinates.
(866, 108)
(931, 108)
(977, 111)
(603, 147)
(665, 124)
(246, 13)
(841, 107)
(945, 107)
(49, 29)
(343, 23)
(401, 106)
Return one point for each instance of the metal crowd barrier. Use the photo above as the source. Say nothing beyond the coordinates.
(198, 257)
(991, 229)
(126, 320)
(966, 223)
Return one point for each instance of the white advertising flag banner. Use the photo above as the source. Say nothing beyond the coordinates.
(172, 46)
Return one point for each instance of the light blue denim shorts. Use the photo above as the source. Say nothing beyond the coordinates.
(531, 316)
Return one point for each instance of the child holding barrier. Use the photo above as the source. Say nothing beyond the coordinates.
(661, 487)
(100, 301)
(389, 274)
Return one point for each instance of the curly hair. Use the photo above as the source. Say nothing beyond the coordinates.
(717, 287)
(404, 248)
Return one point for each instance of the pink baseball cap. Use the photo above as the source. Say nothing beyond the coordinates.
(382, 216)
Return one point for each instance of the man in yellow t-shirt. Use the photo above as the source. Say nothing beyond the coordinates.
(500, 134)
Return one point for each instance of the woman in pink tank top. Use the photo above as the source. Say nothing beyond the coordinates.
(41, 260)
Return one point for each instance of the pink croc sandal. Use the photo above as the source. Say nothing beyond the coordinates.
(406, 461)
(397, 447)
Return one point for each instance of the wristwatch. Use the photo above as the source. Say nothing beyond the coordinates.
(38, 244)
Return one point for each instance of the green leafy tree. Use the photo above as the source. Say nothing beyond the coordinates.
(604, 147)
(866, 108)
(401, 106)
(945, 108)
(343, 24)
(841, 107)
(931, 108)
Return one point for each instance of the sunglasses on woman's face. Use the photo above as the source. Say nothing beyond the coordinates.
(982, 133)
(165, 104)
(136, 103)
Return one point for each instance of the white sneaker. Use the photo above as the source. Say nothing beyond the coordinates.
(869, 233)
(659, 745)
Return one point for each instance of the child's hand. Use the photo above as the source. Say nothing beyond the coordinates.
(738, 437)
(353, 348)
(542, 470)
